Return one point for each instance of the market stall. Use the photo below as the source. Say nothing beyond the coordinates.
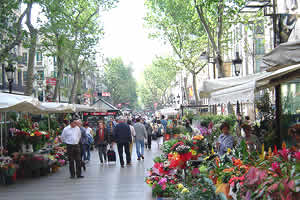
(34, 150)
(191, 167)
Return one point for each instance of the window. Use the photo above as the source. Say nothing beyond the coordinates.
(259, 46)
(20, 81)
(40, 75)
(259, 28)
(54, 61)
(24, 58)
(257, 65)
(24, 77)
(39, 58)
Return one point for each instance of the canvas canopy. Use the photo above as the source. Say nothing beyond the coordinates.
(51, 107)
(244, 90)
(286, 54)
(86, 108)
(168, 111)
(19, 103)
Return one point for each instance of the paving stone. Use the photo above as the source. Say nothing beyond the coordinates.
(101, 182)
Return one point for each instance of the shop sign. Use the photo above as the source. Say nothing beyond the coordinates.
(51, 81)
(106, 94)
(100, 113)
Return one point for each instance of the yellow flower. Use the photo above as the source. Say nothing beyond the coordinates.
(180, 186)
(206, 158)
(194, 153)
(185, 190)
(228, 151)
(32, 134)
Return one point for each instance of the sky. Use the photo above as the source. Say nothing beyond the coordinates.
(126, 37)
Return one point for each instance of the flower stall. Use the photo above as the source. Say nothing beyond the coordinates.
(191, 168)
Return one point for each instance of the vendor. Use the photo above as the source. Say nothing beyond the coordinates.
(225, 140)
(251, 139)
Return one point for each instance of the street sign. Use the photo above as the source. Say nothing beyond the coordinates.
(51, 81)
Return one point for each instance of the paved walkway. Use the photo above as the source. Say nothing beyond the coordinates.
(108, 182)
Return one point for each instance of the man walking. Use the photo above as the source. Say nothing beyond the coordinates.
(140, 136)
(122, 136)
(149, 134)
(84, 143)
(71, 136)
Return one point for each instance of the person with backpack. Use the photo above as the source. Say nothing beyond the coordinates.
(90, 139)
(140, 136)
(101, 140)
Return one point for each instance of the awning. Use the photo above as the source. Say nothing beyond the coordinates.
(285, 54)
(85, 108)
(279, 76)
(168, 111)
(51, 107)
(245, 92)
(103, 106)
(209, 86)
(19, 103)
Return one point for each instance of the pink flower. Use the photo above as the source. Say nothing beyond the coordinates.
(284, 154)
(162, 181)
(297, 155)
(275, 166)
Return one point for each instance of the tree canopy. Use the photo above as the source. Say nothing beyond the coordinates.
(119, 80)
(158, 77)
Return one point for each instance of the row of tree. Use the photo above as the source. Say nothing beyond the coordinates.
(190, 27)
(119, 81)
(71, 31)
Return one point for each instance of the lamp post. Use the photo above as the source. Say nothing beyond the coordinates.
(10, 76)
(237, 63)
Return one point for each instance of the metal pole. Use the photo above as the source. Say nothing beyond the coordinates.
(49, 122)
(1, 147)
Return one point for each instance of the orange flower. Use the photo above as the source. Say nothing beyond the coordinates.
(217, 161)
(228, 170)
(237, 162)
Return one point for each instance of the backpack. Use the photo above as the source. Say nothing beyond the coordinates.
(90, 139)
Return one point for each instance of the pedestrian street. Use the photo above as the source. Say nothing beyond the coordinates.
(101, 182)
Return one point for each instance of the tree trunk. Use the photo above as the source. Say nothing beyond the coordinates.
(186, 90)
(32, 51)
(60, 67)
(217, 49)
(72, 98)
(195, 87)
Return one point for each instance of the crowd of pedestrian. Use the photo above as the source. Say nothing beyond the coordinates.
(124, 132)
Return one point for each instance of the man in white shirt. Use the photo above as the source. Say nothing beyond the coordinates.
(71, 136)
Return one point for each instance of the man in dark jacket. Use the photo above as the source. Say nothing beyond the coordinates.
(122, 136)
(101, 140)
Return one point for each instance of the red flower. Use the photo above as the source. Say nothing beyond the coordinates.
(37, 133)
(284, 154)
(47, 136)
(275, 167)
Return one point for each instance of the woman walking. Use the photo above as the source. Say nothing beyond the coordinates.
(101, 140)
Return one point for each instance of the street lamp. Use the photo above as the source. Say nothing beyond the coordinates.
(237, 63)
(10, 76)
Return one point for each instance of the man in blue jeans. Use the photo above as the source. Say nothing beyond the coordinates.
(140, 136)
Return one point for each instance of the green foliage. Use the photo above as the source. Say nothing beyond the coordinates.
(120, 82)
(158, 78)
